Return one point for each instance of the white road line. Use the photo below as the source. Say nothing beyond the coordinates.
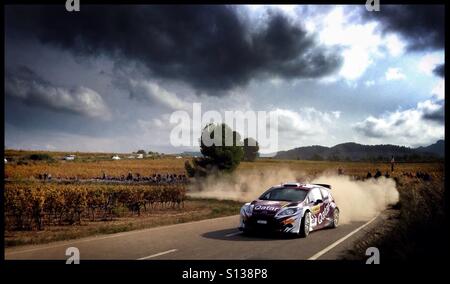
(109, 236)
(233, 234)
(330, 247)
(157, 254)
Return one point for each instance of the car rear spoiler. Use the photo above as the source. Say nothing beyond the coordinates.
(323, 184)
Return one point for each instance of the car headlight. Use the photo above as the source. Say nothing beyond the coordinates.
(248, 209)
(287, 212)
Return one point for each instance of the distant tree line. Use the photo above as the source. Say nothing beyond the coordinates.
(415, 157)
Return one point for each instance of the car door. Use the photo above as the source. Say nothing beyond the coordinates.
(316, 207)
(327, 210)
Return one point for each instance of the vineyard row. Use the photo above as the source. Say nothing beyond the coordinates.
(35, 205)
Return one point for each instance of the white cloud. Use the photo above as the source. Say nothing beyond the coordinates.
(415, 126)
(394, 74)
(362, 44)
(439, 90)
(337, 114)
(80, 100)
(359, 42)
(430, 61)
(394, 45)
(369, 83)
(152, 124)
(307, 124)
(152, 92)
(356, 62)
(276, 81)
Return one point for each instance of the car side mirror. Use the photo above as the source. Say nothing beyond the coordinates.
(318, 201)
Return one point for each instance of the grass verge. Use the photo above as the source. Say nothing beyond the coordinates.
(416, 231)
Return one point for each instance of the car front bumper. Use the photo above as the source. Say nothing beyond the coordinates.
(289, 225)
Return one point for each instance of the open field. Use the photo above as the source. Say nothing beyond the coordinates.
(22, 175)
(88, 166)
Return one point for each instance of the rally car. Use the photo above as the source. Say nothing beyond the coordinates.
(292, 208)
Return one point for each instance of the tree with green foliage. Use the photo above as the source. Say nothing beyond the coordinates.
(221, 148)
(251, 149)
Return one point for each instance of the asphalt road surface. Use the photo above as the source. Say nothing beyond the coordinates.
(208, 239)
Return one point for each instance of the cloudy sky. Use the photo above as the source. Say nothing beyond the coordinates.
(108, 78)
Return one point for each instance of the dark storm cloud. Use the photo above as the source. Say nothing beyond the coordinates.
(212, 48)
(25, 85)
(439, 70)
(421, 25)
(436, 115)
(369, 128)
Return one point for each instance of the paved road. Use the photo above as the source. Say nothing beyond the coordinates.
(207, 239)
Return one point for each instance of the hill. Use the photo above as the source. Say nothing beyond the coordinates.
(359, 152)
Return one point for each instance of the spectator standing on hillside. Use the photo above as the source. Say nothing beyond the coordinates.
(392, 163)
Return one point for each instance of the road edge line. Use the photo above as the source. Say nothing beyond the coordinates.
(336, 243)
(157, 254)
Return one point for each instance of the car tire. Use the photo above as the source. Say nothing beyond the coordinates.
(305, 225)
(335, 221)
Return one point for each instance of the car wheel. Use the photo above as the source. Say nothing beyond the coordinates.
(305, 224)
(335, 221)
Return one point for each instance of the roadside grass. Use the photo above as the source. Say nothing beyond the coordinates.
(193, 210)
(416, 232)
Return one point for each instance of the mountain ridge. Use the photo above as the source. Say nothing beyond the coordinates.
(352, 151)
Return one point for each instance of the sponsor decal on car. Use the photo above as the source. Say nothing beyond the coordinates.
(324, 214)
(266, 207)
(315, 209)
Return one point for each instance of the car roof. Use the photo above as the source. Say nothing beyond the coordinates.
(300, 186)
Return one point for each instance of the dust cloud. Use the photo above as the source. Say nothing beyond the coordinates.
(357, 200)
(360, 200)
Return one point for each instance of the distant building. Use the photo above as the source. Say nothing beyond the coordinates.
(115, 157)
(69, 157)
(140, 156)
(178, 157)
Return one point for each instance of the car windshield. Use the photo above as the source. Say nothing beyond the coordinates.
(284, 194)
